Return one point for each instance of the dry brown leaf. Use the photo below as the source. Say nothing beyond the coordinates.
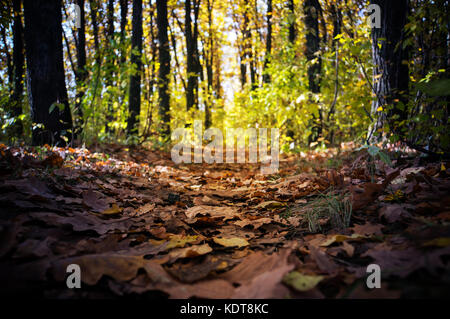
(189, 252)
(113, 210)
(231, 241)
(223, 212)
(256, 223)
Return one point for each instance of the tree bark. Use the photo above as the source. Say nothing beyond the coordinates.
(292, 25)
(164, 67)
(45, 72)
(311, 10)
(81, 72)
(18, 64)
(109, 67)
(209, 61)
(266, 76)
(391, 75)
(192, 64)
(134, 103)
(94, 8)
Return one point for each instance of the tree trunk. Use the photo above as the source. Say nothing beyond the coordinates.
(209, 65)
(164, 67)
(123, 24)
(391, 75)
(266, 76)
(134, 103)
(94, 8)
(109, 67)
(311, 10)
(18, 63)
(192, 56)
(292, 25)
(45, 72)
(81, 72)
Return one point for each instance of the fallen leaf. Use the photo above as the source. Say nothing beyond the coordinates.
(368, 229)
(189, 252)
(177, 241)
(224, 212)
(270, 204)
(349, 249)
(394, 212)
(231, 242)
(94, 267)
(145, 209)
(95, 201)
(301, 282)
(438, 242)
(340, 238)
(113, 210)
(256, 223)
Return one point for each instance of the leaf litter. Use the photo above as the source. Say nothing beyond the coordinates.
(144, 225)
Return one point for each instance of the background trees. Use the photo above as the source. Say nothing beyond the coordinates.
(314, 68)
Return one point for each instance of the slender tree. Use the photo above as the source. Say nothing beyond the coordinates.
(81, 72)
(123, 24)
(164, 67)
(94, 9)
(193, 67)
(292, 24)
(18, 64)
(266, 76)
(45, 73)
(134, 103)
(109, 66)
(209, 62)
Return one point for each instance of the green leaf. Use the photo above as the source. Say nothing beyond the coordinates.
(373, 150)
(385, 158)
(301, 282)
(439, 87)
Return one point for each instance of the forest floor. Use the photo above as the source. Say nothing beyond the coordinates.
(138, 225)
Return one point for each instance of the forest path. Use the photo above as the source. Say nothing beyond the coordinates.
(136, 223)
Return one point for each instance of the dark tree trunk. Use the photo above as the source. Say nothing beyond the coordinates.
(81, 72)
(134, 103)
(311, 10)
(18, 63)
(266, 77)
(45, 72)
(243, 66)
(94, 8)
(123, 23)
(391, 75)
(192, 64)
(292, 25)
(109, 67)
(337, 21)
(164, 67)
(209, 65)
(247, 54)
